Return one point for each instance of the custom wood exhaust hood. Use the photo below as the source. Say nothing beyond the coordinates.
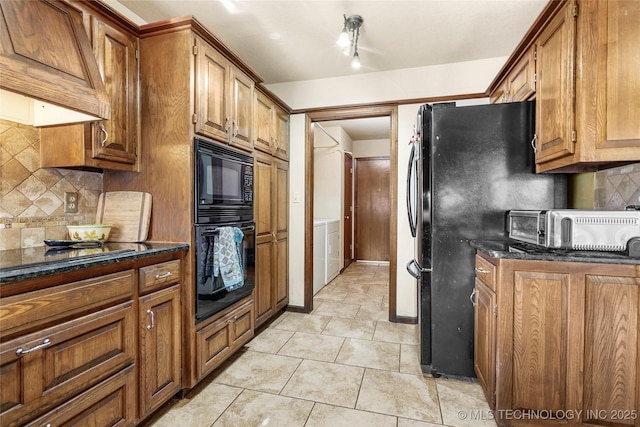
(45, 54)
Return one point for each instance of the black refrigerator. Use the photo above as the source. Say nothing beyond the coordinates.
(468, 166)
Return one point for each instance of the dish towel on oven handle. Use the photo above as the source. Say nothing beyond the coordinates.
(227, 259)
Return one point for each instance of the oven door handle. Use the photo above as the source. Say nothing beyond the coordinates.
(216, 230)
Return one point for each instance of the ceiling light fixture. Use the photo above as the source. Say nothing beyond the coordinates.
(348, 39)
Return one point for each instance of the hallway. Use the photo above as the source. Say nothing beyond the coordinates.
(344, 364)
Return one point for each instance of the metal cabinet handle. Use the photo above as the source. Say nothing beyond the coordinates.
(533, 143)
(472, 298)
(235, 318)
(45, 343)
(153, 319)
(106, 134)
(481, 270)
(235, 129)
(227, 125)
(163, 276)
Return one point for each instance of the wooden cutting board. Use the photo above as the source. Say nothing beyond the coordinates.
(129, 213)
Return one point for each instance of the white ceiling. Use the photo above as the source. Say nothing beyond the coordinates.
(293, 40)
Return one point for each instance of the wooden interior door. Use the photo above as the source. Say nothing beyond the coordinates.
(372, 208)
(347, 235)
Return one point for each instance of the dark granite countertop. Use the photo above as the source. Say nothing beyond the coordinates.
(512, 249)
(28, 263)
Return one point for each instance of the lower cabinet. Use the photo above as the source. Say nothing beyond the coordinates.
(219, 339)
(160, 348)
(566, 342)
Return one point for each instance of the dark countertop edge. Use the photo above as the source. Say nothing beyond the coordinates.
(33, 271)
(496, 249)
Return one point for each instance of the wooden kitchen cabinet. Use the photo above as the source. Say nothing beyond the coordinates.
(160, 348)
(224, 98)
(520, 84)
(271, 183)
(271, 127)
(566, 339)
(486, 312)
(219, 338)
(106, 144)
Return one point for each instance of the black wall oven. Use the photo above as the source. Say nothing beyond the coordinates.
(224, 227)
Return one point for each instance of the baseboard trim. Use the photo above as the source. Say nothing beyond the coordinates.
(404, 319)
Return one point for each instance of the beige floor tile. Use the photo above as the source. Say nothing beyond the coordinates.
(336, 309)
(259, 371)
(397, 332)
(333, 416)
(198, 409)
(402, 395)
(363, 299)
(253, 408)
(357, 287)
(369, 312)
(370, 354)
(269, 340)
(326, 383)
(312, 346)
(350, 328)
(463, 404)
(381, 289)
(309, 323)
(331, 294)
(410, 359)
(405, 422)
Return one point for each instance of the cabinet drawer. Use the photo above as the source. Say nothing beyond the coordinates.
(486, 272)
(45, 368)
(160, 275)
(216, 341)
(110, 403)
(26, 312)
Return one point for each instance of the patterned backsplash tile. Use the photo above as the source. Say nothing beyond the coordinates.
(617, 187)
(32, 198)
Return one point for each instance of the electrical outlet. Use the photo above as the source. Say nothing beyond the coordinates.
(70, 202)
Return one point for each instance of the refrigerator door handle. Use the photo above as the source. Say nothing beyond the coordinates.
(415, 269)
(411, 200)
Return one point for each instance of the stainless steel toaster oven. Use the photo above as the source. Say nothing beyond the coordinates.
(576, 229)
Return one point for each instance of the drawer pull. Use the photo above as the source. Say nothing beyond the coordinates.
(163, 276)
(45, 343)
(482, 270)
(153, 319)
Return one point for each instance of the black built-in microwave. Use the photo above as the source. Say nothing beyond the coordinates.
(224, 183)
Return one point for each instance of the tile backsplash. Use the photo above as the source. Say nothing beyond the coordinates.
(32, 198)
(617, 187)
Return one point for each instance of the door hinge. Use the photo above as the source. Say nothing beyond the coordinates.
(195, 50)
(351, 170)
(535, 55)
(137, 51)
(574, 138)
(575, 10)
(194, 118)
(495, 310)
(535, 78)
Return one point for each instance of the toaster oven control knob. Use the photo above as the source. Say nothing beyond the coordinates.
(633, 247)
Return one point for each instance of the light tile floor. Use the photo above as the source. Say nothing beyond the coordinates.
(344, 364)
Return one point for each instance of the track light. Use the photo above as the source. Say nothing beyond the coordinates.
(348, 39)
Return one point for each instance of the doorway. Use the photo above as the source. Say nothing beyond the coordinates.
(350, 113)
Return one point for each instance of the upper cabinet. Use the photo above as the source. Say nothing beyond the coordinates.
(224, 98)
(108, 144)
(46, 55)
(586, 84)
(270, 127)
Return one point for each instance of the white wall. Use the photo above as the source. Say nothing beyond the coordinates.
(371, 148)
(296, 234)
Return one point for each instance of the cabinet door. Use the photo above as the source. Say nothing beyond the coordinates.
(263, 123)
(282, 134)
(116, 51)
(281, 246)
(555, 91)
(41, 370)
(618, 71)
(160, 347)
(263, 292)
(212, 93)
(241, 109)
(501, 94)
(611, 349)
(521, 80)
(263, 196)
(542, 303)
(485, 340)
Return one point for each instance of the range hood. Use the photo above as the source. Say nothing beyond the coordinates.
(46, 56)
